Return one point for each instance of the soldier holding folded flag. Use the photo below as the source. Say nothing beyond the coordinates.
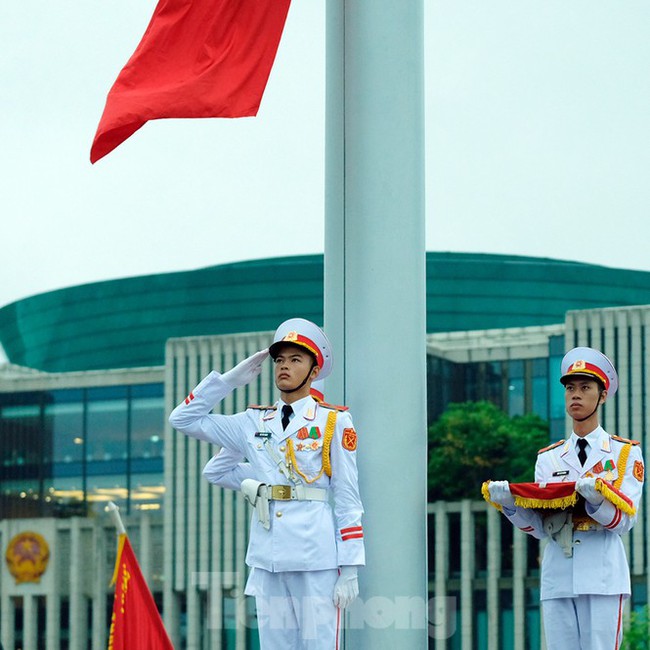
(586, 496)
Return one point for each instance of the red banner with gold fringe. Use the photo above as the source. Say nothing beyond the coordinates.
(559, 496)
(136, 623)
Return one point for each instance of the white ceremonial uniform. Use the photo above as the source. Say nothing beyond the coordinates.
(227, 469)
(598, 569)
(304, 536)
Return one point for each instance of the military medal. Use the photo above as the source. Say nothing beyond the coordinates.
(608, 467)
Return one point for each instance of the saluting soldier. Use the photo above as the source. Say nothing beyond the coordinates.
(585, 576)
(302, 454)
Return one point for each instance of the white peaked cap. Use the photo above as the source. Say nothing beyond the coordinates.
(587, 362)
(305, 334)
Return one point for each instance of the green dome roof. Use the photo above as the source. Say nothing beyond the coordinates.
(125, 323)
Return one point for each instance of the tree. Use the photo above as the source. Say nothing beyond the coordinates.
(476, 441)
(637, 630)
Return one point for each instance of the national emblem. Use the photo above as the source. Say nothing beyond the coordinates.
(27, 556)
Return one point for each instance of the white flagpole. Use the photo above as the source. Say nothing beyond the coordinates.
(114, 512)
(375, 299)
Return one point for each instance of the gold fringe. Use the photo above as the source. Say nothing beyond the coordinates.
(559, 503)
(327, 442)
(622, 464)
(120, 547)
(486, 495)
(525, 502)
(602, 487)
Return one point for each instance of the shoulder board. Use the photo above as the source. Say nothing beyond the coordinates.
(334, 407)
(553, 446)
(257, 407)
(625, 440)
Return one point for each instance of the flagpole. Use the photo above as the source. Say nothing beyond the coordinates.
(114, 512)
(375, 300)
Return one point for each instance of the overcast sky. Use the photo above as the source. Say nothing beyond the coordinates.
(537, 140)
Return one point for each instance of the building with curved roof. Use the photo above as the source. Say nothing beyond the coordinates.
(124, 323)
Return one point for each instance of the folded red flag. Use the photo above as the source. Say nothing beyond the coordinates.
(198, 58)
(560, 495)
(544, 495)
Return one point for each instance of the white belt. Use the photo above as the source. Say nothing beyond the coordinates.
(259, 494)
(296, 493)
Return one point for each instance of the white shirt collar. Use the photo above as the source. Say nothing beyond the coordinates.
(591, 438)
(297, 406)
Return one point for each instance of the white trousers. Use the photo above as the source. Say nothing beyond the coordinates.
(295, 609)
(583, 623)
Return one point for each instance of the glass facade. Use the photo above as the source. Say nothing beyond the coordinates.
(62, 451)
(557, 415)
(517, 386)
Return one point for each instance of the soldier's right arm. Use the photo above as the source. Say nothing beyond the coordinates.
(527, 520)
(228, 469)
(193, 418)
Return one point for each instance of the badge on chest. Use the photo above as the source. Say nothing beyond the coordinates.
(606, 467)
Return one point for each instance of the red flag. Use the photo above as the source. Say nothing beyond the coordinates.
(136, 623)
(198, 58)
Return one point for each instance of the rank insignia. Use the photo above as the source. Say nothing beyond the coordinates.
(638, 471)
(598, 468)
(314, 432)
(349, 439)
(189, 398)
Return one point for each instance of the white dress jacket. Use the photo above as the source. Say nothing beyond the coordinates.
(304, 535)
(599, 564)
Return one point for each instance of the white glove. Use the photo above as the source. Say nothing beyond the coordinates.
(346, 588)
(257, 495)
(587, 487)
(251, 489)
(500, 493)
(245, 371)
